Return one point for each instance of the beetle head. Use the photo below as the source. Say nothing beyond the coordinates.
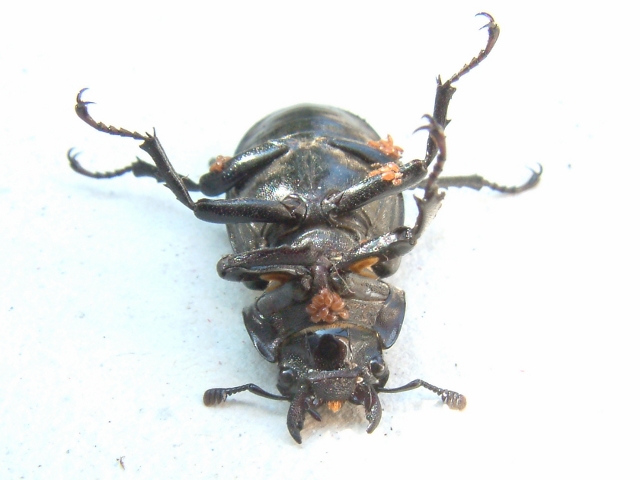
(330, 366)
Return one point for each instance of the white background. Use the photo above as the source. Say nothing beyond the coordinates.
(114, 322)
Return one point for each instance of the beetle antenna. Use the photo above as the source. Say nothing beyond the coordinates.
(216, 396)
(452, 399)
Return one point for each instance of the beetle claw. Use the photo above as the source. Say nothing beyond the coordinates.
(431, 126)
(79, 97)
(491, 23)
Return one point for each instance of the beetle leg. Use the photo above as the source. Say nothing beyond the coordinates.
(237, 210)
(240, 167)
(367, 191)
(245, 210)
(477, 182)
(163, 170)
(216, 396)
(222, 176)
(251, 265)
(397, 242)
(436, 134)
(453, 399)
(379, 186)
(139, 168)
(445, 91)
(373, 188)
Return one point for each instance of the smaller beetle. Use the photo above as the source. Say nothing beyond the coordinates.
(315, 216)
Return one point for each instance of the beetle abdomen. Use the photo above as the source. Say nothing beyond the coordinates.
(316, 120)
(326, 152)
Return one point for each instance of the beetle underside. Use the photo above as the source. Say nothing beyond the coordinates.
(316, 219)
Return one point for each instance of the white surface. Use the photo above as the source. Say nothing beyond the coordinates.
(114, 321)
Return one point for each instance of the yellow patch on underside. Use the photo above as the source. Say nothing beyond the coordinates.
(275, 280)
(363, 267)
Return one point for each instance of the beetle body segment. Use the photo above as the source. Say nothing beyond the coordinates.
(310, 170)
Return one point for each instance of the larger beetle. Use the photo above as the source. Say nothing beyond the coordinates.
(315, 217)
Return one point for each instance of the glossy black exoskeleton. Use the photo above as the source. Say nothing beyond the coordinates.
(315, 217)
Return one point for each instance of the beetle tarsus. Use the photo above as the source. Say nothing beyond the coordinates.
(83, 112)
(163, 171)
(494, 32)
(78, 168)
(445, 91)
(139, 168)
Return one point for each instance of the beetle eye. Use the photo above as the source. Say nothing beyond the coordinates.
(286, 377)
(377, 368)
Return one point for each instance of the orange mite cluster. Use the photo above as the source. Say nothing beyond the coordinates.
(335, 405)
(327, 306)
(218, 164)
(387, 147)
(390, 173)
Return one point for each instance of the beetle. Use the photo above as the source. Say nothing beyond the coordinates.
(315, 217)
